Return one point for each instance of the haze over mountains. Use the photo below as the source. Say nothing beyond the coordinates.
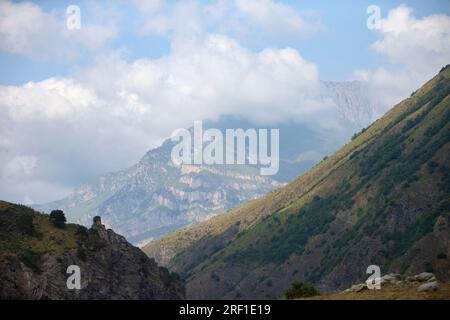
(382, 199)
(154, 197)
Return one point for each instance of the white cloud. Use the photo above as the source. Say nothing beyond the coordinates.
(238, 18)
(274, 17)
(108, 115)
(147, 5)
(208, 77)
(27, 30)
(62, 131)
(19, 165)
(416, 43)
(418, 49)
(181, 18)
(49, 99)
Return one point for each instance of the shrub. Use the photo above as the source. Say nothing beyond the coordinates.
(356, 135)
(441, 255)
(31, 258)
(300, 289)
(25, 224)
(81, 231)
(58, 218)
(81, 253)
(215, 276)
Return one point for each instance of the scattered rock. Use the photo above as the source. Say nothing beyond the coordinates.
(425, 277)
(427, 280)
(428, 286)
(391, 278)
(358, 287)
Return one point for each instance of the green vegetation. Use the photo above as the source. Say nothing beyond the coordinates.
(421, 227)
(300, 289)
(277, 239)
(58, 218)
(29, 235)
(356, 135)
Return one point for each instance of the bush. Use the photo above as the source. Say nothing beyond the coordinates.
(81, 253)
(356, 135)
(215, 276)
(58, 218)
(31, 258)
(25, 224)
(300, 289)
(81, 231)
(441, 255)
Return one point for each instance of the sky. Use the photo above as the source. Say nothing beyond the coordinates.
(77, 103)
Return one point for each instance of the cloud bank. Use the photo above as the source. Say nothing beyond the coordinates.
(108, 115)
(62, 131)
(417, 49)
(27, 30)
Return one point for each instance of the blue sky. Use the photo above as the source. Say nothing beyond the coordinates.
(75, 104)
(344, 43)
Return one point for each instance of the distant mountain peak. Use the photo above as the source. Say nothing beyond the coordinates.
(155, 196)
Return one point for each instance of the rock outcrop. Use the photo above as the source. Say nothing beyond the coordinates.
(425, 281)
(35, 255)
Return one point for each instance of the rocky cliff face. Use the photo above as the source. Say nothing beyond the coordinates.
(35, 256)
(155, 196)
(353, 101)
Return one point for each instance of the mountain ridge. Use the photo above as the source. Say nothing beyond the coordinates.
(363, 205)
(154, 197)
(35, 255)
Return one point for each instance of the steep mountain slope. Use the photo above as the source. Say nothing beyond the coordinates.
(155, 197)
(382, 199)
(35, 255)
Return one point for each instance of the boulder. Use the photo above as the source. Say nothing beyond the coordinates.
(425, 277)
(358, 287)
(428, 286)
(393, 278)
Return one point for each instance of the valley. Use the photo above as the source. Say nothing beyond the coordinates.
(382, 199)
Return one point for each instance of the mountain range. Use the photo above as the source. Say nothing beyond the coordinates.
(383, 199)
(154, 197)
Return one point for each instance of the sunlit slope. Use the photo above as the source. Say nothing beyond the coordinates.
(382, 199)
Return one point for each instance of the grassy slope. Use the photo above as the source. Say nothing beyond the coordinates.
(316, 220)
(30, 235)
